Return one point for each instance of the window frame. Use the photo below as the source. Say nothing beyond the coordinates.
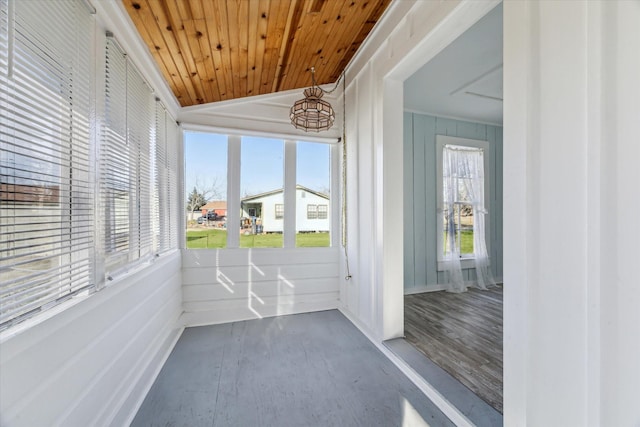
(468, 260)
(234, 143)
(279, 210)
(79, 197)
(322, 211)
(312, 211)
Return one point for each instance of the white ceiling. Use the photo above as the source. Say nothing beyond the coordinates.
(464, 80)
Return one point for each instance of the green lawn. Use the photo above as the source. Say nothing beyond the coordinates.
(211, 239)
(466, 244)
(202, 239)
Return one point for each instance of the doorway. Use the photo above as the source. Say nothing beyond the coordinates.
(458, 93)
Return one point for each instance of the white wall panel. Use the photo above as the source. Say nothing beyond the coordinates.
(106, 349)
(420, 203)
(570, 163)
(374, 119)
(227, 285)
(349, 288)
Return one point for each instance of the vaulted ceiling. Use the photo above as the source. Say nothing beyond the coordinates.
(215, 50)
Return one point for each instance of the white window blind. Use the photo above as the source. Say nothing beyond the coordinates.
(162, 180)
(126, 174)
(174, 194)
(46, 202)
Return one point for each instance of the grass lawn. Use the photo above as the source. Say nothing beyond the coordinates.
(201, 239)
(466, 243)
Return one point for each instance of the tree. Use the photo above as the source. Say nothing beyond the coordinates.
(202, 194)
(196, 200)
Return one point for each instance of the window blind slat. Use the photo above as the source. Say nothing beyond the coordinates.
(55, 242)
(44, 158)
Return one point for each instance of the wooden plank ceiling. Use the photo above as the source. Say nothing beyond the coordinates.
(215, 50)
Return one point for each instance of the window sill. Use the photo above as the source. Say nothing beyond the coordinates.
(465, 263)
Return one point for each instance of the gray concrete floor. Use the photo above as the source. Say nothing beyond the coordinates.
(312, 369)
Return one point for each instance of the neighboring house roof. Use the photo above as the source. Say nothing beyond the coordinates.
(215, 205)
(280, 190)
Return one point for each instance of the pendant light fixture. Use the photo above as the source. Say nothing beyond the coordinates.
(312, 113)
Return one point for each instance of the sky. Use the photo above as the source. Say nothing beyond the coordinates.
(262, 167)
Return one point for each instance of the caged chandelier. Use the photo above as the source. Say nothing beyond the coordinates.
(312, 113)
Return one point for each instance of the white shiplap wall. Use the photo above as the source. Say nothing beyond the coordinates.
(228, 285)
(92, 363)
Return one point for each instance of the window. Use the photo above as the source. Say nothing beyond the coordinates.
(165, 192)
(253, 171)
(55, 169)
(323, 212)
(206, 189)
(46, 197)
(462, 196)
(313, 176)
(312, 212)
(262, 188)
(127, 150)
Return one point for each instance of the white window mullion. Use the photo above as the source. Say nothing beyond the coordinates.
(290, 176)
(233, 190)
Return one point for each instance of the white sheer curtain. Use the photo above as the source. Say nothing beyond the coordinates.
(463, 184)
(451, 256)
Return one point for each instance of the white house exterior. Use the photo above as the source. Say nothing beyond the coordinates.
(312, 211)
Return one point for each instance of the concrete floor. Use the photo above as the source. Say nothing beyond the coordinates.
(313, 369)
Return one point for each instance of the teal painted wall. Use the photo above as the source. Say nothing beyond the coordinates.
(420, 266)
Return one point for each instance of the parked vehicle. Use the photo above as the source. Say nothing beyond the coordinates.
(201, 220)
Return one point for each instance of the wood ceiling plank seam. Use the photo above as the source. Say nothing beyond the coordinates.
(218, 41)
(234, 45)
(177, 24)
(199, 22)
(171, 53)
(152, 21)
(322, 48)
(352, 13)
(261, 42)
(298, 53)
(191, 29)
(186, 14)
(306, 48)
(215, 57)
(368, 24)
(275, 38)
(171, 42)
(243, 38)
(195, 58)
(293, 20)
(143, 28)
(298, 75)
(252, 39)
(221, 23)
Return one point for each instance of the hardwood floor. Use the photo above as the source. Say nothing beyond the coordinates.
(461, 333)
